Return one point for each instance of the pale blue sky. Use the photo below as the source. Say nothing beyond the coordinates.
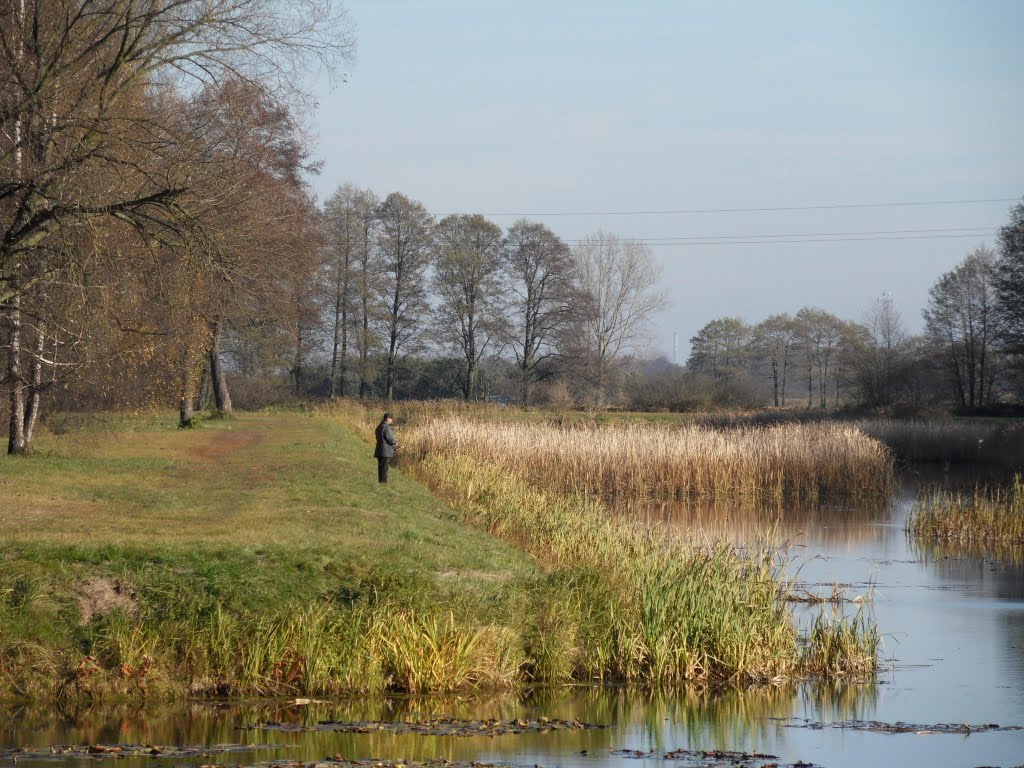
(559, 107)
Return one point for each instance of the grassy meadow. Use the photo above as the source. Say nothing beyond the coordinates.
(257, 555)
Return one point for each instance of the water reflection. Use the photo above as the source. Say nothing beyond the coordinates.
(697, 717)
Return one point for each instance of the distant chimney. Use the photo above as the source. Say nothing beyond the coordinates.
(675, 348)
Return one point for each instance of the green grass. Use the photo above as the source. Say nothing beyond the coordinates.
(250, 527)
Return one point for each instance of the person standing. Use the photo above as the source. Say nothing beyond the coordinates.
(386, 444)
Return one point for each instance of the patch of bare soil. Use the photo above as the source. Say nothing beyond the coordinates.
(98, 596)
(441, 726)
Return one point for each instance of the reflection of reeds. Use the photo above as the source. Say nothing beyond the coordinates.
(791, 461)
(935, 550)
(747, 520)
(985, 517)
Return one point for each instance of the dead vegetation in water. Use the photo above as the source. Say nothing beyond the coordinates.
(712, 758)
(876, 726)
(437, 726)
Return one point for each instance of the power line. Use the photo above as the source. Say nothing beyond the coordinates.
(671, 240)
(816, 240)
(815, 207)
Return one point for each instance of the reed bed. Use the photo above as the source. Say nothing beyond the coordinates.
(987, 516)
(632, 461)
(624, 601)
(311, 650)
(638, 604)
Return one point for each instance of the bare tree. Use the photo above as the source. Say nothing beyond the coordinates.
(469, 287)
(342, 241)
(404, 244)
(540, 274)
(963, 324)
(774, 342)
(879, 348)
(819, 334)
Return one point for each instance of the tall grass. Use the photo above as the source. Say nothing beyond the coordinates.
(638, 604)
(986, 516)
(634, 602)
(791, 461)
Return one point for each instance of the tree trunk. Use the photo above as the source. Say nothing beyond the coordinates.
(221, 395)
(186, 407)
(35, 385)
(775, 380)
(16, 442)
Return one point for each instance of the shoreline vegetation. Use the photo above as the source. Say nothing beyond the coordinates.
(658, 609)
(790, 462)
(258, 556)
(985, 518)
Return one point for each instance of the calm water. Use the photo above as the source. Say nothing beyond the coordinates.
(953, 653)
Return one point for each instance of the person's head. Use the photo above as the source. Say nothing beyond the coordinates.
(388, 417)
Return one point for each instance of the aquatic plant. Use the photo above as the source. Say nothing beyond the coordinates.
(791, 461)
(988, 515)
(641, 604)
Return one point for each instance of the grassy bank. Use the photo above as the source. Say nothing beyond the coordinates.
(256, 555)
(988, 517)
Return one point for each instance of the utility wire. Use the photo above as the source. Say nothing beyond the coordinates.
(816, 207)
(815, 240)
(670, 240)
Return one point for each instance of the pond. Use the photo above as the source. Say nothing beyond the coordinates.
(951, 690)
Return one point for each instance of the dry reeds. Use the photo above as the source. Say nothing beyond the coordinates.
(790, 461)
(987, 516)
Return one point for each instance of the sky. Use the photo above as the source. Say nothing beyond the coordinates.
(662, 119)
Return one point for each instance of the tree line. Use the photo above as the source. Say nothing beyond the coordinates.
(401, 284)
(970, 355)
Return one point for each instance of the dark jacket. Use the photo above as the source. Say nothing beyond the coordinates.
(385, 441)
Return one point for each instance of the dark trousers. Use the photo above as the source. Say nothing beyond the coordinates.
(383, 462)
